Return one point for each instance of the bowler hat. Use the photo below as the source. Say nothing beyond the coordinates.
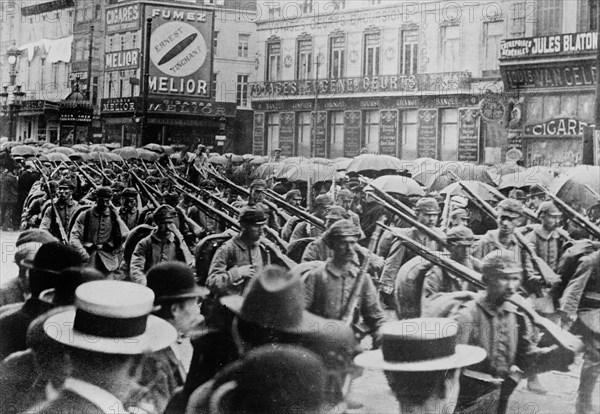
(33, 238)
(421, 345)
(112, 317)
(173, 280)
(51, 258)
(164, 212)
(253, 215)
(548, 207)
(510, 207)
(104, 191)
(427, 205)
(275, 300)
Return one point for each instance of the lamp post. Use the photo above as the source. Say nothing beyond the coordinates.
(146, 84)
(14, 109)
(313, 149)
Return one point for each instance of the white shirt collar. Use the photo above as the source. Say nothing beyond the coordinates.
(107, 402)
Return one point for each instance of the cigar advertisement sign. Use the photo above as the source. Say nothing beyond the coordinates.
(180, 50)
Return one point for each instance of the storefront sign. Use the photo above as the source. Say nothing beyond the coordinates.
(560, 44)
(258, 134)
(427, 132)
(180, 50)
(438, 82)
(123, 18)
(468, 134)
(565, 74)
(170, 106)
(77, 75)
(320, 133)
(388, 132)
(287, 121)
(352, 133)
(118, 105)
(557, 127)
(122, 60)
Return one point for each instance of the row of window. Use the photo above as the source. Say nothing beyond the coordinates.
(338, 58)
(370, 136)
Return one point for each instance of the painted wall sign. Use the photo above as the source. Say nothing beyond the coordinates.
(558, 75)
(321, 131)
(123, 18)
(180, 50)
(560, 44)
(122, 60)
(258, 133)
(352, 124)
(287, 122)
(557, 127)
(169, 106)
(427, 133)
(388, 132)
(118, 105)
(468, 134)
(439, 82)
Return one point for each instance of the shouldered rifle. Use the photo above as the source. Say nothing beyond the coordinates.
(577, 217)
(545, 271)
(61, 228)
(87, 176)
(296, 211)
(144, 188)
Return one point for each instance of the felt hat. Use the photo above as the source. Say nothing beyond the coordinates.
(500, 262)
(421, 345)
(548, 207)
(427, 205)
(253, 215)
(341, 228)
(164, 212)
(275, 300)
(510, 207)
(337, 213)
(111, 317)
(104, 191)
(45, 262)
(173, 280)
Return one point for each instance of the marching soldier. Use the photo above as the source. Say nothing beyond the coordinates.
(304, 229)
(66, 207)
(129, 211)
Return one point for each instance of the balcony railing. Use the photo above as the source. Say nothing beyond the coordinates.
(443, 82)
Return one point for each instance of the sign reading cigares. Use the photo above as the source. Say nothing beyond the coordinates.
(180, 50)
(427, 133)
(388, 132)
(468, 134)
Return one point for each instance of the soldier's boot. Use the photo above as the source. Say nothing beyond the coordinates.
(534, 385)
(590, 371)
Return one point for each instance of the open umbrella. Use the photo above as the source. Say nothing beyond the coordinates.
(436, 180)
(79, 156)
(62, 150)
(48, 145)
(112, 145)
(498, 170)
(98, 155)
(234, 158)
(218, 160)
(114, 157)
(247, 157)
(266, 170)
(309, 171)
(147, 155)
(55, 157)
(168, 149)
(127, 153)
(485, 191)
(98, 148)
(81, 148)
(154, 147)
(373, 162)
(24, 150)
(524, 179)
(9, 144)
(258, 160)
(579, 187)
(397, 184)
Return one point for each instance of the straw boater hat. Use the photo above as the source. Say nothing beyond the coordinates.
(111, 317)
(421, 345)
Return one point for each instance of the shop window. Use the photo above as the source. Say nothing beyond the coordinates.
(243, 43)
(449, 134)
(336, 134)
(549, 17)
(371, 131)
(273, 61)
(372, 54)
(410, 41)
(337, 56)
(493, 32)
(272, 132)
(303, 134)
(451, 48)
(304, 62)
(242, 90)
(409, 135)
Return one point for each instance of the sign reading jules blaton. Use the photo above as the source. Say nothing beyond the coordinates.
(180, 50)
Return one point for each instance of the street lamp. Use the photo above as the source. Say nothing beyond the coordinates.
(13, 57)
(14, 109)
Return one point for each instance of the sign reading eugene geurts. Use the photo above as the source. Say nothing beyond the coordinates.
(180, 50)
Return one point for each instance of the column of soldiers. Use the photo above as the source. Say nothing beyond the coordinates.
(215, 272)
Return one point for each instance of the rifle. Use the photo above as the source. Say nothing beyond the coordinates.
(61, 228)
(578, 218)
(144, 188)
(407, 211)
(564, 338)
(549, 276)
(348, 313)
(296, 211)
(87, 176)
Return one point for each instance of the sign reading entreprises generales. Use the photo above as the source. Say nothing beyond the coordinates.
(559, 44)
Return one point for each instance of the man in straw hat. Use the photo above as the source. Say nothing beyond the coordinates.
(580, 307)
(422, 363)
(272, 312)
(495, 324)
(105, 337)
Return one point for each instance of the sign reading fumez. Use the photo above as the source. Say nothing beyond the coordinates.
(180, 51)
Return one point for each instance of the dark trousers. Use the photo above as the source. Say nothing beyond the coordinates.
(6, 214)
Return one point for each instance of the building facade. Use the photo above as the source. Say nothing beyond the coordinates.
(409, 79)
(550, 68)
(200, 62)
